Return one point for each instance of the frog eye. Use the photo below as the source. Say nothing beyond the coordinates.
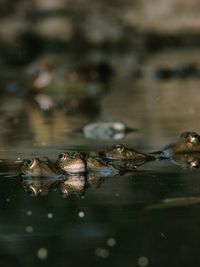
(30, 163)
(62, 156)
(118, 148)
(194, 164)
(194, 138)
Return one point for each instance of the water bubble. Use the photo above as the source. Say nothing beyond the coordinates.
(81, 214)
(117, 194)
(7, 199)
(29, 212)
(50, 215)
(111, 242)
(143, 261)
(29, 229)
(102, 252)
(42, 253)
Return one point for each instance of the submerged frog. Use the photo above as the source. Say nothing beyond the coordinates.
(187, 142)
(71, 164)
(120, 152)
(39, 167)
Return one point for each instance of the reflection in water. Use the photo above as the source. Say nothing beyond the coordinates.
(73, 184)
(40, 176)
(36, 186)
(189, 161)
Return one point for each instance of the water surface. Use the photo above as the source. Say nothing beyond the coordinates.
(125, 220)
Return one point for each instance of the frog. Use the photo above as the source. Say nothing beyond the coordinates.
(73, 183)
(120, 152)
(187, 142)
(71, 164)
(39, 167)
(128, 165)
(100, 166)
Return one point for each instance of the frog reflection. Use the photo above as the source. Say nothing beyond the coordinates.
(187, 142)
(189, 161)
(120, 152)
(98, 171)
(39, 167)
(71, 164)
(73, 184)
(40, 185)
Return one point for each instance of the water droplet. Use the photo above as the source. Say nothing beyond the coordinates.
(42, 253)
(81, 214)
(29, 229)
(7, 199)
(29, 212)
(111, 242)
(50, 215)
(117, 194)
(143, 261)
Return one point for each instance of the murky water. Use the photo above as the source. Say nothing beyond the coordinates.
(147, 217)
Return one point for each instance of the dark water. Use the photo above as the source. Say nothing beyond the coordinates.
(148, 217)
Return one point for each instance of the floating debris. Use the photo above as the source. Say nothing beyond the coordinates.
(175, 202)
(106, 130)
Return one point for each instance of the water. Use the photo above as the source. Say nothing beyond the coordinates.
(148, 217)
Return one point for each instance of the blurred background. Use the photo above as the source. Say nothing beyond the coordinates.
(80, 62)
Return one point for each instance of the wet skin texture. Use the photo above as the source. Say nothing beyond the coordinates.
(39, 167)
(71, 164)
(121, 152)
(187, 142)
